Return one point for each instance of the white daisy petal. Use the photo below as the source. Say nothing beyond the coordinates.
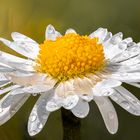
(104, 88)
(4, 68)
(128, 41)
(23, 45)
(47, 84)
(124, 68)
(38, 116)
(133, 61)
(107, 83)
(117, 38)
(65, 88)
(134, 84)
(37, 88)
(69, 31)
(29, 79)
(51, 33)
(114, 46)
(101, 33)
(87, 98)
(126, 77)
(15, 62)
(83, 85)
(20, 37)
(81, 110)
(10, 104)
(108, 113)
(58, 85)
(53, 104)
(2, 91)
(70, 101)
(126, 100)
(127, 54)
(108, 36)
(4, 80)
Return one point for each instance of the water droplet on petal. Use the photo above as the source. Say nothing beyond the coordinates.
(50, 29)
(40, 126)
(33, 117)
(125, 104)
(13, 111)
(34, 94)
(116, 38)
(70, 31)
(107, 92)
(122, 46)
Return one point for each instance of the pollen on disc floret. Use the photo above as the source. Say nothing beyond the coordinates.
(70, 56)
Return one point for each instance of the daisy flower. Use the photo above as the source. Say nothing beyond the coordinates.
(69, 71)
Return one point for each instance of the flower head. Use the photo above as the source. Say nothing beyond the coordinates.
(69, 71)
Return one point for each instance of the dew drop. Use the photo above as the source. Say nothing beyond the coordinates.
(50, 29)
(125, 104)
(106, 92)
(40, 126)
(122, 46)
(33, 117)
(136, 102)
(13, 111)
(51, 106)
(34, 94)
(70, 31)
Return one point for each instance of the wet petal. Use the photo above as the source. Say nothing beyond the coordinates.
(81, 110)
(39, 115)
(126, 100)
(117, 38)
(5, 68)
(70, 101)
(69, 31)
(15, 62)
(53, 104)
(2, 91)
(104, 88)
(10, 104)
(37, 88)
(133, 61)
(108, 113)
(22, 45)
(114, 46)
(128, 53)
(99, 33)
(47, 84)
(126, 77)
(51, 33)
(65, 88)
(20, 37)
(108, 36)
(28, 79)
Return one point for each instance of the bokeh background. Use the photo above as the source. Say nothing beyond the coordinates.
(30, 17)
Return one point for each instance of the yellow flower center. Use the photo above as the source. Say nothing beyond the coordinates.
(70, 56)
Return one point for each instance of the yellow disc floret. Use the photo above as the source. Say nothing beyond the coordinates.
(70, 56)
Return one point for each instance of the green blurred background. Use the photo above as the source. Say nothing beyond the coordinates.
(30, 17)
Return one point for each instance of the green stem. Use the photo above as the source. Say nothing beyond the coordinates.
(71, 125)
